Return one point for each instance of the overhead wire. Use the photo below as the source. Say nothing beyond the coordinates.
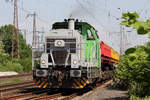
(144, 6)
(27, 11)
(91, 14)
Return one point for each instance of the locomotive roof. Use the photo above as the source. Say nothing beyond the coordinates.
(64, 25)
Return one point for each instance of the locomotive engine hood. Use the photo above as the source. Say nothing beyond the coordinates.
(62, 44)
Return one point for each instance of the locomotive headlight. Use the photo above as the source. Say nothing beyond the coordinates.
(75, 62)
(43, 61)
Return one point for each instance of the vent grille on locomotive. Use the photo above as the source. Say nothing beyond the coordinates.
(60, 54)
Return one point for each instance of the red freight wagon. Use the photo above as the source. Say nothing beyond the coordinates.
(105, 50)
(105, 56)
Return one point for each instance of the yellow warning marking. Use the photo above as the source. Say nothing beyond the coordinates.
(87, 82)
(75, 85)
(41, 84)
(45, 85)
(83, 82)
(78, 83)
(38, 82)
(84, 79)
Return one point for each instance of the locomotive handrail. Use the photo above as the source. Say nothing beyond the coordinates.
(53, 62)
(67, 58)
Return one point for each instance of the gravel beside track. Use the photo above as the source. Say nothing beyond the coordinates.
(15, 76)
(8, 73)
(104, 93)
(19, 75)
(70, 97)
(47, 97)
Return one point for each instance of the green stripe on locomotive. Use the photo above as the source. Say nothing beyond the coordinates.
(89, 53)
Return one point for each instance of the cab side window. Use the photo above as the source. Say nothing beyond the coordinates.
(90, 35)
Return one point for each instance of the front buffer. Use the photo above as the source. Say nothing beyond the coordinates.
(59, 80)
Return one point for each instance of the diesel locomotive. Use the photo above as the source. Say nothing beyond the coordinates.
(72, 56)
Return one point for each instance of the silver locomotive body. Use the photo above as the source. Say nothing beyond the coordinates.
(60, 62)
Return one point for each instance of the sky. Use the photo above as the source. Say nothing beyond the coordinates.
(102, 14)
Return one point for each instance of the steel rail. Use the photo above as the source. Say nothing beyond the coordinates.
(15, 84)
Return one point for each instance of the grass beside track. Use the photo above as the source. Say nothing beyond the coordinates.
(138, 98)
(15, 79)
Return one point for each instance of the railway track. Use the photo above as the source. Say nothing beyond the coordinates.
(47, 94)
(9, 89)
(34, 95)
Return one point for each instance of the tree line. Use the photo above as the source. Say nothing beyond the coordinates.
(24, 64)
(132, 72)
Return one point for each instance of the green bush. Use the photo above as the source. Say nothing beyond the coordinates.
(24, 64)
(139, 89)
(133, 72)
(10, 66)
(138, 98)
(4, 58)
(27, 64)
